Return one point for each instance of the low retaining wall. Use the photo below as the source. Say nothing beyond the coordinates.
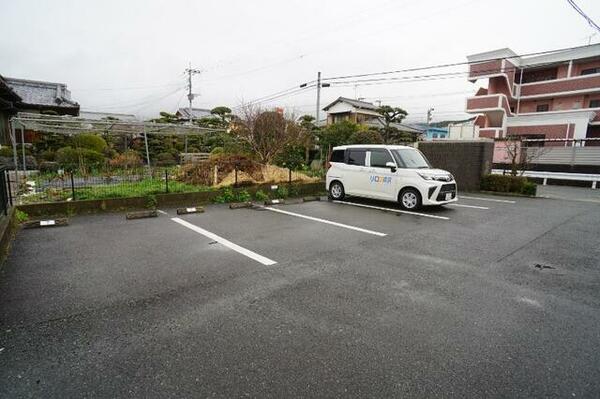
(8, 228)
(162, 200)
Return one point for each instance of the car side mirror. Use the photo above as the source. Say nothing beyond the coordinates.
(391, 165)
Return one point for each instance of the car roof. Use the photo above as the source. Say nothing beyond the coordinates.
(367, 146)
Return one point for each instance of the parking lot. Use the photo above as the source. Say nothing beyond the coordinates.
(492, 296)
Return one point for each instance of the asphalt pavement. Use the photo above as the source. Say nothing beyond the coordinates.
(493, 297)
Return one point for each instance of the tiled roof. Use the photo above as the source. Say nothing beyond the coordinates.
(40, 93)
(106, 115)
(354, 103)
(197, 113)
(7, 93)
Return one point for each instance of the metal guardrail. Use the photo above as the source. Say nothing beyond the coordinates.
(594, 178)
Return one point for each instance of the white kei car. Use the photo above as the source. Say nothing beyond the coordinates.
(388, 172)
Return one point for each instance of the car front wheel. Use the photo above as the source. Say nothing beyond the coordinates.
(410, 199)
(336, 191)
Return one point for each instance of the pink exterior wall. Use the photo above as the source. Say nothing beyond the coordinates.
(559, 103)
(591, 82)
(501, 154)
(485, 68)
(510, 70)
(549, 131)
(498, 85)
(531, 105)
(562, 71)
(474, 103)
(578, 67)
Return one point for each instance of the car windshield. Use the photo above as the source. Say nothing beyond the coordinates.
(410, 158)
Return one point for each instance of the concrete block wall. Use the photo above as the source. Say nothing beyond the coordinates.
(467, 160)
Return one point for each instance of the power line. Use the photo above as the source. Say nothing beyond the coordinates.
(128, 88)
(135, 103)
(452, 64)
(280, 94)
(584, 15)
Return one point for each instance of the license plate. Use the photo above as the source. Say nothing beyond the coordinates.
(448, 196)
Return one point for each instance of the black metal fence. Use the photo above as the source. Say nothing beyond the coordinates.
(71, 186)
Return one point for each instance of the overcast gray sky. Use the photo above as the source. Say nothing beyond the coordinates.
(129, 56)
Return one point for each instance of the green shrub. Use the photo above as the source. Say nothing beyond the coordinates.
(243, 196)
(151, 202)
(165, 159)
(90, 142)
(226, 196)
(508, 184)
(260, 195)
(217, 151)
(529, 188)
(21, 216)
(48, 155)
(48, 167)
(282, 192)
(6, 152)
(71, 158)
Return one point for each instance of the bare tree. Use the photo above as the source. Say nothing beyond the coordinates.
(267, 133)
(520, 155)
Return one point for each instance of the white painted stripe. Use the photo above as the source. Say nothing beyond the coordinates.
(225, 242)
(488, 199)
(326, 221)
(469, 206)
(426, 215)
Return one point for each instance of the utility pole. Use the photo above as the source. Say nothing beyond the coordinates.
(190, 71)
(429, 117)
(318, 97)
(319, 85)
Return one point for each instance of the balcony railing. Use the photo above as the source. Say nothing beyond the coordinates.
(561, 86)
(490, 102)
(491, 132)
(485, 68)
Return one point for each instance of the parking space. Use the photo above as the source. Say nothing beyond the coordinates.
(491, 296)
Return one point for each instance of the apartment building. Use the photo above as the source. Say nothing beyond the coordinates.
(551, 96)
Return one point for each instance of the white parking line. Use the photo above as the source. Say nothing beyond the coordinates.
(325, 221)
(488, 199)
(469, 206)
(225, 242)
(394, 210)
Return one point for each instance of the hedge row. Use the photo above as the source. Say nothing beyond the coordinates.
(508, 184)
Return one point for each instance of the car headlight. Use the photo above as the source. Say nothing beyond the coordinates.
(426, 177)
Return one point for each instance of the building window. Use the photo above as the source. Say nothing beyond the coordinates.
(542, 108)
(595, 104)
(590, 71)
(434, 136)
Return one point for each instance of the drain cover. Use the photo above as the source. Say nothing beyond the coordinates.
(541, 266)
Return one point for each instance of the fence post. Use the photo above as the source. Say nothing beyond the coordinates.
(10, 198)
(289, 176)
(167, 181)
(72, 186)
(236, 177)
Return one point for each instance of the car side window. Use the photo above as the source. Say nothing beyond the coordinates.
(357, 157)
(337, 156)
(379, 158)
